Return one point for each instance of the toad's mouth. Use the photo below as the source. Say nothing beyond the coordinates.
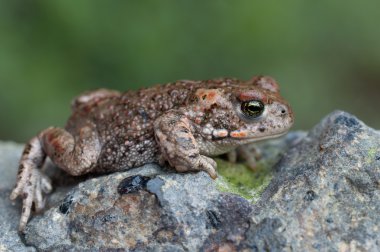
(244, 136)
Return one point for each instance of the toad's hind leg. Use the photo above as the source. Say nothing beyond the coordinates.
(74, 155)
(30, 178)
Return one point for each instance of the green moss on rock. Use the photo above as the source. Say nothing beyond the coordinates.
(240, 180)
(371, 155)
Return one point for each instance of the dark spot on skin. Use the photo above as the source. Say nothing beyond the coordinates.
(132, 184)
(310, 195)
(213, 218)
(184, 130)
(143, 114)
(65, 206)
(140, 151)
(27, 149)
(172, 122)
(20, 169)
(212, 107)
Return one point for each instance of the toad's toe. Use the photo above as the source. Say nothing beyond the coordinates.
(32, 192)
(28, 195)
(208, 165)
(46, 186)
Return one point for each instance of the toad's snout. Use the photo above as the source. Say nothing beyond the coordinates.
(283, 110)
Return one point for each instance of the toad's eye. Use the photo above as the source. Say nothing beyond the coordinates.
(253, 108)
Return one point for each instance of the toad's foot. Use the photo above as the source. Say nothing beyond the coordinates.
(178, 146)
(208, 165)
(250, 156)
(200, 163)
(31, 192)
(76, 156)
(31, 182)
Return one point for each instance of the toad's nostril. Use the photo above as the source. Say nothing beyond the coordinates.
(283, 110)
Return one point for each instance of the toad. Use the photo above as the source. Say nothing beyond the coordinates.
(183, 123)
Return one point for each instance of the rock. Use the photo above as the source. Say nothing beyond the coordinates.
(323, 194)
(9, 212)
(326, 190)
(168, 211)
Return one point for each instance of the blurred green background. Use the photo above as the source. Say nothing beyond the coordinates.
(325, 54)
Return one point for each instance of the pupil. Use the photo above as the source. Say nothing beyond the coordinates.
(253, 108)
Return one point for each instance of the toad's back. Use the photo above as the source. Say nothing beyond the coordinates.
(124, 122)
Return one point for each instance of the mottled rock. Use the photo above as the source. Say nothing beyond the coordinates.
(324, 194)
(169, 211)
(326, 190)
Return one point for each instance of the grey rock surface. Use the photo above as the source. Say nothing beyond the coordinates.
(324, 196)
(145, 209)
(326, 192)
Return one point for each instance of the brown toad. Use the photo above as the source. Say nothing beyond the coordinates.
(182, 123)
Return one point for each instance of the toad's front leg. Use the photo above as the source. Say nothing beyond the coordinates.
(174, 136)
